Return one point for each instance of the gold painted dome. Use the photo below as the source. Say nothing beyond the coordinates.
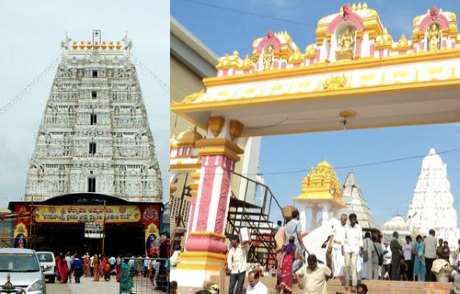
(321, 185)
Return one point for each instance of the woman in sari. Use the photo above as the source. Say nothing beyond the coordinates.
(285, 275)
(58, 264)
(126, 278)
(102, 267)
(419, 265)
(118, 269)
(96, 268)
(63, 269)
(86, 268)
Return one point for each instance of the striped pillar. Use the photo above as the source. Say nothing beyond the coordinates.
(205, 246)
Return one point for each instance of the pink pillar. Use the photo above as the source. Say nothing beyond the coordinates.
(205, 247)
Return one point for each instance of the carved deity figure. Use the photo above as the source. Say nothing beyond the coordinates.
(346, 40)
(269, 53)
(345, 44)
(434, 37)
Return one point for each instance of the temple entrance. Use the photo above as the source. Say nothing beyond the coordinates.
(354, 76)
(58, 224)
(120, 239)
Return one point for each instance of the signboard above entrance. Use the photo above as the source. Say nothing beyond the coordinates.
(94, 230)
(87, 213)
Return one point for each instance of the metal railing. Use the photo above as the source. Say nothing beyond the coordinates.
(264, 196)
(255, 215)
(145, 276)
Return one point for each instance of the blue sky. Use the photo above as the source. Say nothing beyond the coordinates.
(388, 188)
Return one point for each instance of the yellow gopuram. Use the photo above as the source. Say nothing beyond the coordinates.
(321, 192)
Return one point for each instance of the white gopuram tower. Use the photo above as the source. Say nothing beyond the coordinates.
(94, 135)
(432, 205)
(355, 202)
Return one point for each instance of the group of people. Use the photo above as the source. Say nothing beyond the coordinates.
(352, 256)
(414, 260)
(95, 266)
(67, 266)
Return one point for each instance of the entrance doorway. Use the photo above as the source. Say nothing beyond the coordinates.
(124, 239)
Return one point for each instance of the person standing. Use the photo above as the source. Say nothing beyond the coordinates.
(255, 286)
(63, 269)
(353, 246)
(367, 256)
(96, 268)
(386, 270)
(456, 257)
(68, 260)
(236, 265)
(112, 262)
(445, 251)
(126, 278)
(285, 277)
(86, 263)
(408, 250)
(396, 255)
(338, 238)
(315, 277)
(77, 269)
(430, 255)
(105, 268)
(439, 249)
(91, 265)
(419, 260)
(294, 229)
(377, 258)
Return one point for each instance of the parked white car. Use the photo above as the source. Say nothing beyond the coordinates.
(20, 272)
(48, 265)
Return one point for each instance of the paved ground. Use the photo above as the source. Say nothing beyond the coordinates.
(86, 286)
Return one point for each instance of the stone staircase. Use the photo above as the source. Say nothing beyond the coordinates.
(334, 287)
(376, 287)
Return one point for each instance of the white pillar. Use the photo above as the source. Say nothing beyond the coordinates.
(303, 218)
(325, 212)
(314, 216)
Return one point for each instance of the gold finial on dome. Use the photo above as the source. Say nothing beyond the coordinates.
(247, 63)
(74, 45)
(234, 60)
(321, 185)
(384, 41)
(224, 63)
(310, 51)
(403, 43)
(296, 57)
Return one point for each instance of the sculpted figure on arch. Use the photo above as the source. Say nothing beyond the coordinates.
(434, 37)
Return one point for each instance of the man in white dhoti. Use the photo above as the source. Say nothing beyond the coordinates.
(353, 247)
(338, 260)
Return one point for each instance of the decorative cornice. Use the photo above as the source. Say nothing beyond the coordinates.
(219, 146)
